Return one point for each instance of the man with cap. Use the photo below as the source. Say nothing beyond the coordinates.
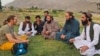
(89, 41)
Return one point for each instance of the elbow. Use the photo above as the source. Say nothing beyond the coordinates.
(96, 42)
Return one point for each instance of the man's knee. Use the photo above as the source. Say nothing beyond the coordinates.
(58, 35)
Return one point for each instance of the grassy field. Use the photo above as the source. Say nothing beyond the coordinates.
(40, 47)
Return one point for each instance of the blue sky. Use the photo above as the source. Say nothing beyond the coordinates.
(4, 2)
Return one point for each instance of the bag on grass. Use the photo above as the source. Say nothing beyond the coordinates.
(19, 49)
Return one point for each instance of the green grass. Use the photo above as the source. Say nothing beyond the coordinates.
(38, 46)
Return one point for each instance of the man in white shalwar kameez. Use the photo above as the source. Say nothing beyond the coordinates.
(83, 42)
(27, 28)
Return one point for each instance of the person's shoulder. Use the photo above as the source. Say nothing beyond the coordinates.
(54, 21)
(76, 21)
(96, 26)
(45, 23)
(5, 27)
(42, 22)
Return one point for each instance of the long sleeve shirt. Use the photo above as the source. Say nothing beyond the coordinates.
(52, 27)
(21, 32)
(39, 27)
(86, 36)
(71, 29)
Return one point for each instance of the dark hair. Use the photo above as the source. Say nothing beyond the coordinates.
(38, 16)
(88, 16)
(11, 17)
(70, 13)
(5, 22)
(46, 12)
(27, 17)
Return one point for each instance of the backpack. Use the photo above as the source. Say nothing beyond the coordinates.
(19, 49)
(92, 35)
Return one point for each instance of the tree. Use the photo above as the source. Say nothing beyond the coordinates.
(0, 6)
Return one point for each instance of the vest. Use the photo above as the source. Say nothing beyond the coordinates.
(92, 35)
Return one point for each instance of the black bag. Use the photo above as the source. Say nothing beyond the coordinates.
(19, 49)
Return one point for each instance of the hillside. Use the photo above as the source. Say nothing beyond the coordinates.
(73, 5)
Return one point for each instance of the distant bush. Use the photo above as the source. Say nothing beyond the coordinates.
(36, 8)
(33, 8)
(60, 10)
(11, 8)
(57, 11)
(54, 11)
(20, 10)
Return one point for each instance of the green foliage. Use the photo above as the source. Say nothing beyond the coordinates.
(20, 10)
(33, 8)
(11, 8)
(54, 11)
(38, 46)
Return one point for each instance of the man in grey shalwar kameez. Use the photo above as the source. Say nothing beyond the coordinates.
(50, 28)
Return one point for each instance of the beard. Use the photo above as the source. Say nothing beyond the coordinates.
(27, 21)
(49, 22)
(14, 23)
(84, 22)
(68, 20)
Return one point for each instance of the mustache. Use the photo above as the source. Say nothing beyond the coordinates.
(27, 21)
(84, 22)
(68, 20)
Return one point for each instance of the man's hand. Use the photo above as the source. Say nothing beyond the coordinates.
(28, 33)
(47, 32)
(84, 48)
(25, 41)
(63, 36)
(72, 40)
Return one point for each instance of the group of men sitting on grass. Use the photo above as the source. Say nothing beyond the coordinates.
(88, 42)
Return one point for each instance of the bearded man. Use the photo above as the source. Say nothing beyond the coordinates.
(50, 28)
(89, 41)
(70, 29)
